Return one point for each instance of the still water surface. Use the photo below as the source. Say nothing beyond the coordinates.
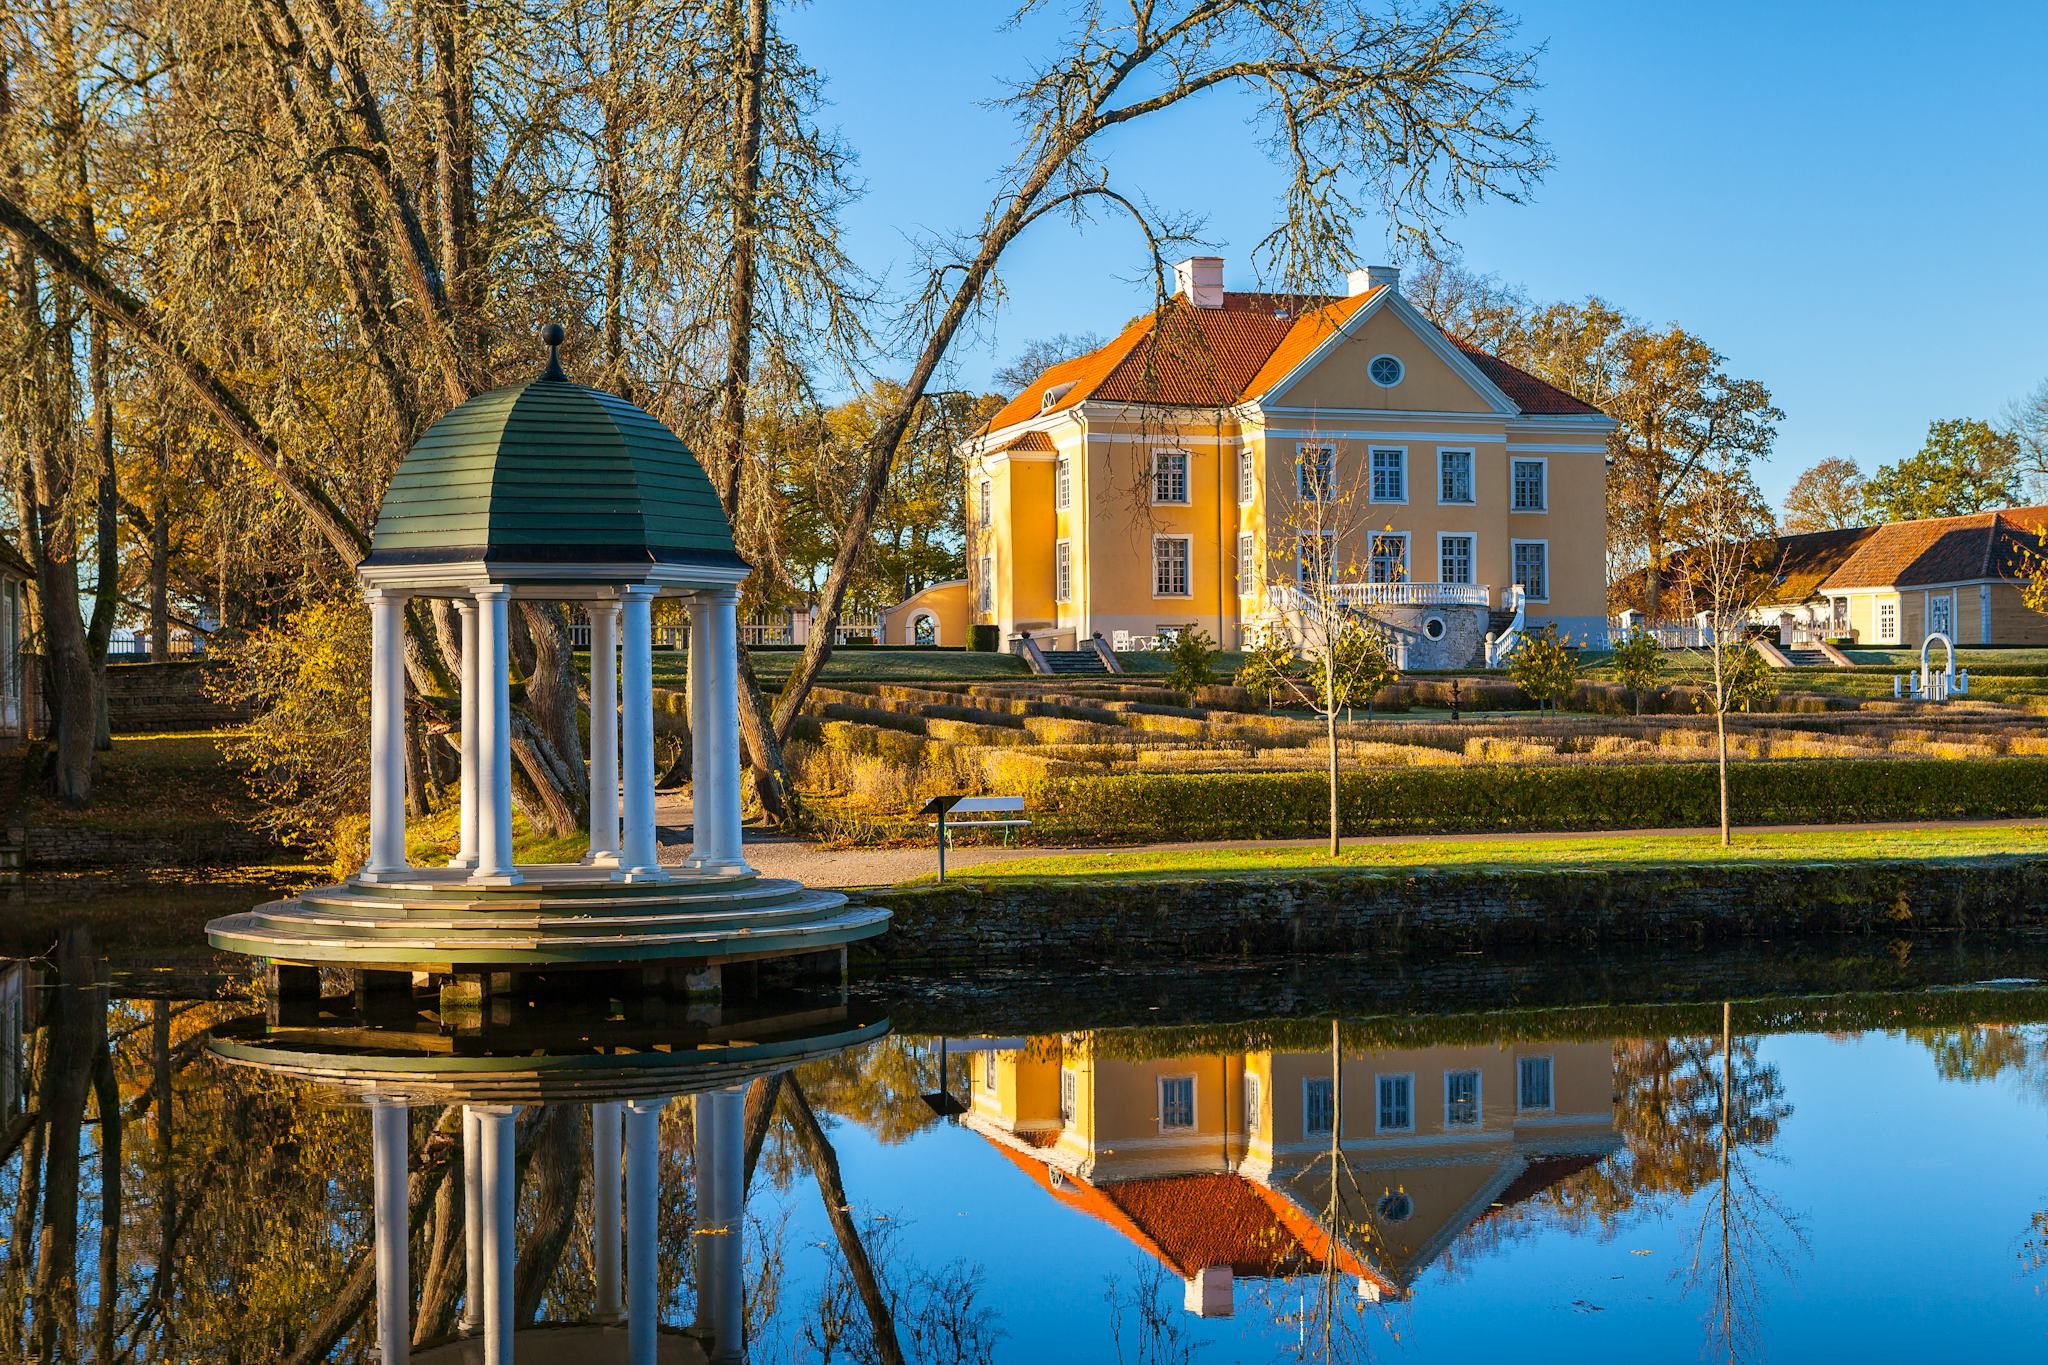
(1826, 1177)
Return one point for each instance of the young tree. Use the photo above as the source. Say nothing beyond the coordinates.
(1638, 663)
(1728, 572)
(1827, 497)
(1965, 465)
(1192, 653)
(1546, 667)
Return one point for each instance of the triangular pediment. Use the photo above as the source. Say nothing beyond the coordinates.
(1337, 371)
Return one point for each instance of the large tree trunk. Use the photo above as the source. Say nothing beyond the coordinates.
(160, 554)
(559, 1145)
(824, 1163)
(75, 1016)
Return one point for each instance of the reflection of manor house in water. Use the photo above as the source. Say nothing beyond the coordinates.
(1209, 1162)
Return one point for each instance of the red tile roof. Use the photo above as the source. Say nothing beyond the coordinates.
(1942, 550)
(1215, 357)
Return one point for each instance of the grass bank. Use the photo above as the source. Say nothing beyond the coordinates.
(1804, 847)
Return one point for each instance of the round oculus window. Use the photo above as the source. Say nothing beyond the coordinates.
(1396, 1207)
(1386, 370)
(1434, 627)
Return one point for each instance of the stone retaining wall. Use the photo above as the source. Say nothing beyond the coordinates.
(1021, 924)
(146, 698)
(57, 847)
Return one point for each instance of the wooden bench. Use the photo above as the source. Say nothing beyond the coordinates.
(993, 806)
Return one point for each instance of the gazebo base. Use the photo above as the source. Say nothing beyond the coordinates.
(441, 923)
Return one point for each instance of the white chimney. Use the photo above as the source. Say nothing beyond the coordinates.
(1200, 279)
(1210, 1293)
(1372, 277)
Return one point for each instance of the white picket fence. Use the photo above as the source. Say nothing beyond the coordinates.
(773, 628)
(1667, 634)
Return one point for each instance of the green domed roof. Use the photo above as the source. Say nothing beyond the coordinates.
(551, 473)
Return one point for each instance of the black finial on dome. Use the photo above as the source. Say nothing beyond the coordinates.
(552, 334)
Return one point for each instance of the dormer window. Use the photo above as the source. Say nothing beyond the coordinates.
(1053, 395)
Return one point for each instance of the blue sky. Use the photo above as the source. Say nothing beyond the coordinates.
(1845, 199)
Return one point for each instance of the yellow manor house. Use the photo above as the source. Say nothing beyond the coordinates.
(1161, 480)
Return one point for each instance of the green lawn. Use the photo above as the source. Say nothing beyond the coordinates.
(1535, 853)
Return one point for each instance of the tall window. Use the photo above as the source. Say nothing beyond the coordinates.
(1170, 476)
(985, 590)
(1454, 476)
(1532, 568)
(1461, 1099)
(1528, 480)
(1247, 477)
(1069, 1085)
(1063, 484)
(1315, 556)
(1533, 1084)
(1840, 616)
(1251, 1099)
(1247, 568)
(1170, 566)
(1397, 1104)
(1176, 1101)
(988, 1070)
(1315, 472)
(1941, 615)
(1318, 1107)
(1062, 571)
(1390, 475)
(1887, 622)
(1389, 557)
(987, 503)
(1456, 554)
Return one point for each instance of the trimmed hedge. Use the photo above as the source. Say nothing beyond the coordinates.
(1149, 807)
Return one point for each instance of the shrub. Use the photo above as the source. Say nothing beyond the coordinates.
(870, 715)
(984, 639)
(1592, 796)
(1502, 749)
(1638, 663)
(1222, 697)
(1545, 668)
(1268, 668)
(1191, 654)
(969, 732)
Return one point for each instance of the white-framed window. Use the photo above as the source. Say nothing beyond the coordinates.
(1531, 566)
(1063, 484)
(1070, 1086)
(1839, 616)
(1454, 554)
(1454, 479)
(1535, 1091)
(1941, 614)
(1315, 556)
(1318, 1107)
(985, 590)
(1389, 473)
(1385, 370)
(1062, 571)
(1247, 565)
(1888, 622)
(1247, 477)
(1176, 1102)
(1252, 1095)
(1170, 476)
(1461, 1099)
(988, 1070)
(1529, 484)
(987, 503)
(1983, 614)
(1389, 557)
(1170, 576)
(1315, 471)
(1395, 1112)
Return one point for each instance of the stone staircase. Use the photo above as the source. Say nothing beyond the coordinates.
(1807, 658)
(1069, 662)
(1498, 620)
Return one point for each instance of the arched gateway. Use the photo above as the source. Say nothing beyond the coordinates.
(548, 490)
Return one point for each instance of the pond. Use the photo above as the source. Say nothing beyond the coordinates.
(992, 1169)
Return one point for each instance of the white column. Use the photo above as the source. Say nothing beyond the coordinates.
(494, 739)
(604, 1209)
(643, 1289)
(387, 736)
(604, 734)
(703, 811)
(392, 1216)
(638, 859)
(472, 1319)
(466, 856)
(716, 800)
(500, 1244)
(720, 1125)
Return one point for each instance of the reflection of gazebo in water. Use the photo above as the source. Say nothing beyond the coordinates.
(554, 492)
(626, 1069)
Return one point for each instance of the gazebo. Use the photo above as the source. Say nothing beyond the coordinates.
(552, 491)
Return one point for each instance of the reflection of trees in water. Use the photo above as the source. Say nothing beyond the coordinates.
(1144, 1327)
